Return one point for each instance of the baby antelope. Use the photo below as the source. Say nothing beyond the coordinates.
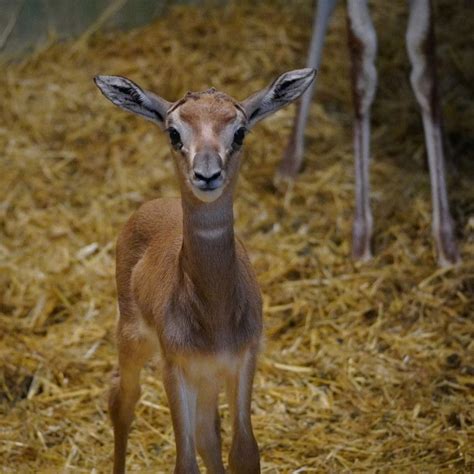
(185, 285)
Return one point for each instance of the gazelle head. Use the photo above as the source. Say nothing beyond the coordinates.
(206, 129)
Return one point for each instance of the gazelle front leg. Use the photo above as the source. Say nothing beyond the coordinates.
(182, 399)
(363, 47)
(421, 50)
(244, 457)
(208, 436)
(293, 156)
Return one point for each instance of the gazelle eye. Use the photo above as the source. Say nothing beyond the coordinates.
(175, 138)
(239, 136)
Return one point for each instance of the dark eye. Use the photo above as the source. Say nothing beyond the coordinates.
(175, 138)
(239, 136)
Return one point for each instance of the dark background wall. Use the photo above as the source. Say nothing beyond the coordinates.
(26, 24)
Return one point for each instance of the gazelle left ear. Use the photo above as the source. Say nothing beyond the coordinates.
(129, 96)
(285, 89)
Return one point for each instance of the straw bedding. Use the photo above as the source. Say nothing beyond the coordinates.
(366, 367)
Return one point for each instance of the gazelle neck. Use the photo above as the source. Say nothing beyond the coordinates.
(208, 255)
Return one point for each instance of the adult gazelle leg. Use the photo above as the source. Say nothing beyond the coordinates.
(208, 437)
(244, 457)
(182, 399)
(363, 47)
(421, 50)
(293, 156)
(125, 391)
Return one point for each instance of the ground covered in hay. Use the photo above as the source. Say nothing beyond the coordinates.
(365, 367)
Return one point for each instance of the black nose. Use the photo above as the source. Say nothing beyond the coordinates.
(207, 179)
(207, 169)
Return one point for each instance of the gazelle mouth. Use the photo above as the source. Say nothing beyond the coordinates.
(208, 187)
(208, 192)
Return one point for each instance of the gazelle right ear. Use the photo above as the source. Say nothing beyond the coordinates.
(129, 96)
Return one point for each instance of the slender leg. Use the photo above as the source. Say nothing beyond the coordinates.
(244, 457)
(182, 399)
(125, 392)
(293, 156)
(208, 437)
(421, 50)
(363, 47)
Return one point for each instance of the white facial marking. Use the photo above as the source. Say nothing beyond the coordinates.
(205, 135)
(186, 134)
(207, 132)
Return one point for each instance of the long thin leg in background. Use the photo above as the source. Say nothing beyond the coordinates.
(420, 41)
(293, 156)
(363, 48)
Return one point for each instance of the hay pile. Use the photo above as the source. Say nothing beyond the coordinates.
(366, 367)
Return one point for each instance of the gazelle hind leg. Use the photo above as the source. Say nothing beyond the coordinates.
(363, 46)
(293, 155)
(125, 391)
(421, 50)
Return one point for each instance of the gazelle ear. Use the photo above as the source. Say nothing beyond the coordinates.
(285, 89)
(126, 94)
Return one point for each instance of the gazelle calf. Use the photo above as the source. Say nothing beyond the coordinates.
(420, 42)
(185, 285)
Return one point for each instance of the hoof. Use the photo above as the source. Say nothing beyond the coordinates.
(289, 167)
(292, 160)
(449, 259)
(282, 183)
(364, 255)
(446, 247)
(361, 239)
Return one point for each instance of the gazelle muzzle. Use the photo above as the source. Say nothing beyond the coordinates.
(208, 174)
